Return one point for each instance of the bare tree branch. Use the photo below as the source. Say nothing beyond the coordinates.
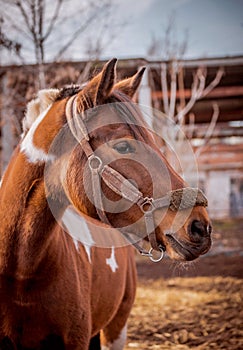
(181, 87)
(199, 90)
(164, 87)
(191, 125)
(213, 83)
(167, 45)
(213, 122)
(7, 43)
(24, 14)
(173, 87)
(53, 19)
(197, 86)
(210, 129)
(18, 28)
(76, 33)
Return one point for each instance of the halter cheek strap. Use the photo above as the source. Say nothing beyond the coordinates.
(175, 200)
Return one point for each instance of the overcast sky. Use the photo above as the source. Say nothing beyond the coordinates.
(214, 27)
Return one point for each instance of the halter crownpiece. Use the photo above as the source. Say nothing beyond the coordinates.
(175, 200)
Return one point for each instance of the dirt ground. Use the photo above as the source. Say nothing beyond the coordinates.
(197, 305)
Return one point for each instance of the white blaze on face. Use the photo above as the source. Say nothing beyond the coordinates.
(27, 147)
(78, 229)
(112, 261)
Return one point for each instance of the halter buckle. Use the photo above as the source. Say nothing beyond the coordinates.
(95, 163)
(146, 205)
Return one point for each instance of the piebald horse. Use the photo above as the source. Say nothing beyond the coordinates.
(60, 293)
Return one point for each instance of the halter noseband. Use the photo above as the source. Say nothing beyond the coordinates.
(175, 200)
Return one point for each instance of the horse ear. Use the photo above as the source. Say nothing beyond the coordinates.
(101, 85)
(130, 85)
(107, 80)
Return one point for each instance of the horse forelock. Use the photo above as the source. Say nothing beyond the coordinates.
(130, 113)
(127, 111)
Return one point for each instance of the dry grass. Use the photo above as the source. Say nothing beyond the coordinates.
(187, 313)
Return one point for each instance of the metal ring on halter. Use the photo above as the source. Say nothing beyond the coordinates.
(95, 163)
(146, 205)
(161, 255)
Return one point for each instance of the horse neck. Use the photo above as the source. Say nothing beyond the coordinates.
(27, 224)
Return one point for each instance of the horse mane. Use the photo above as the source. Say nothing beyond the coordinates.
(43, 100)
(36, 106)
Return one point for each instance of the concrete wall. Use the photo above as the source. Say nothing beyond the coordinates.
(219, 189)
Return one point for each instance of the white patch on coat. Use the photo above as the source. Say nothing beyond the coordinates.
(1, 180)
(78, 229)
(88, 252)
(119, 343)
(33, 153)
(76, 244)
(112, 261)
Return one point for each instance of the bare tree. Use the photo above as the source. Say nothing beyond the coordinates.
(177, 107)
(6, 42)
(40, 21)
(198, 89)
(175, 104)
(167, 46)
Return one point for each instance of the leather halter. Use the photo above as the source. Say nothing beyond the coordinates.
(183, 198)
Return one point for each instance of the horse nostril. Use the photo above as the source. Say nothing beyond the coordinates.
(209, 229)
(197, 230)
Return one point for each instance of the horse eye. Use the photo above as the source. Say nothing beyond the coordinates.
(123, 147)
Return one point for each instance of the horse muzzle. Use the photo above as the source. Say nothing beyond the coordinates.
(197, 242)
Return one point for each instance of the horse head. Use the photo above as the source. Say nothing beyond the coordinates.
(111, 169)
